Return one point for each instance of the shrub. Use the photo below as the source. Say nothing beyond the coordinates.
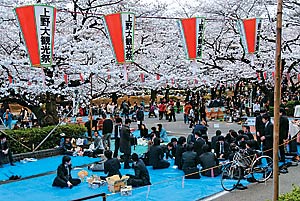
(34, 136)
(294, 195)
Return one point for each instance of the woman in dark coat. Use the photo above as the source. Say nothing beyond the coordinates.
(64, 177)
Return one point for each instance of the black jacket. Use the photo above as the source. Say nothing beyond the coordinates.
(198, 146)
(189, 159)
(107, 126)
(283, 128)
(156, 154)
(125, 146)
(268, 142)
(141, 172)
(112, 167)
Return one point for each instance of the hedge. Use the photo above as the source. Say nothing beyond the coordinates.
(290, 108)
(33, 136)
(294, 195)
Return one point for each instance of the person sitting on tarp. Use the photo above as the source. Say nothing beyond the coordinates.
(156, 155)
(64, 176)
(189, 163)
(111, 165)
(209, 161)
(141, 175)
(222, 149)
(67, 146)
(180, 149)
(98, 145)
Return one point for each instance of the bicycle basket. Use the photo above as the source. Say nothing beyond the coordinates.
(243, 160)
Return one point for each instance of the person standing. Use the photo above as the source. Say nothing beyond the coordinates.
(125, 146)
(107, 131)
(259, 126)
(267, 139)
(283, 133)
(118, 127)
(161, 110)
(7, 116)
(140, 116)
(5, 150)
(64, 176)
(186, 112)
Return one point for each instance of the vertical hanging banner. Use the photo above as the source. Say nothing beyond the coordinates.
(142, 77)
(265, 75)
(120, 28)
(81, 76)
(250, 33)
(37, 24)
(192, 32)
(66, 79)
(157, 77)
(298, 77)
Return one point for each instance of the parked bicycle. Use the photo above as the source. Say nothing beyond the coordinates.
(255, 168)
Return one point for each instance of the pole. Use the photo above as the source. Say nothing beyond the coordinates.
(90, 112)
(277, 99)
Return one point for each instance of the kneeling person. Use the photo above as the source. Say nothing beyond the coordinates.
(141, 177)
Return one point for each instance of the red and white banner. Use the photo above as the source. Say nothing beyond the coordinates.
(37, 23)
(192, 32)
(10, 79)
(157, 77)
(142, 77)
(258, 76)
(81, 77)
(250, 32)
(265, 75)
(120, 28)
(66, 79)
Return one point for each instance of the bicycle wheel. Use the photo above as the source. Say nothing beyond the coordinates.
(231, 176)
(262, 168)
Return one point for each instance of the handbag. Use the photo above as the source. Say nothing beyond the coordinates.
(191, 173)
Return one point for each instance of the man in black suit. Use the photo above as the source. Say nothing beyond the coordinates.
(267, 138)
(156, 156)
(199, 142)
(141, 175)
(118, 127)
(107, 131)
(125, 146)
(222, 148)
(283, 133)
(259, 126)
(111, 165)
(5, 150)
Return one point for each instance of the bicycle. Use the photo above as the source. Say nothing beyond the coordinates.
(258, 167)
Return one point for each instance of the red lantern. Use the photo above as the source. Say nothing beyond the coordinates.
(120, 28)
(37, 23)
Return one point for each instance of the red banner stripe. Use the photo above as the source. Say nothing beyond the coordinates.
(27, 23)
(250, 32)
(114, 26)
(189, 30)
